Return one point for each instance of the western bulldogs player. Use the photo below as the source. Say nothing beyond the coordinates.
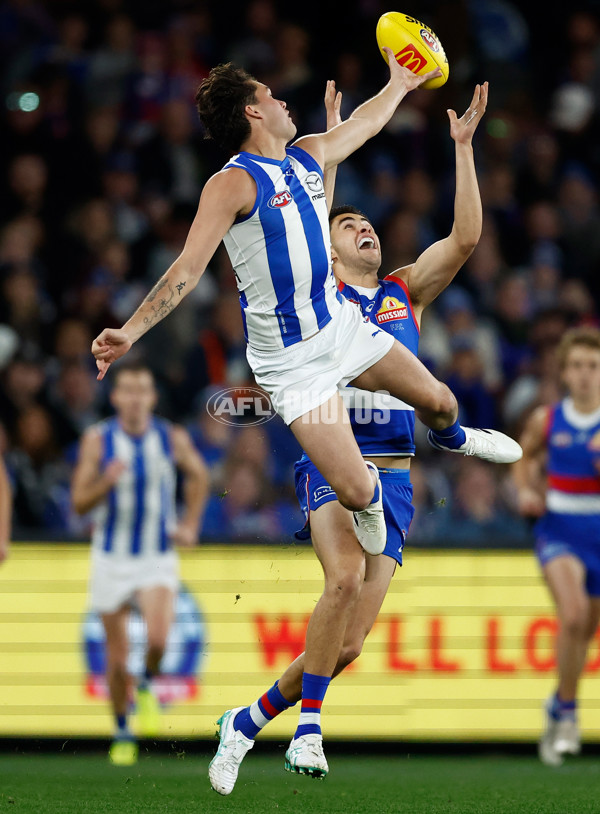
(356, 583)
(559, 482)
(126, 473)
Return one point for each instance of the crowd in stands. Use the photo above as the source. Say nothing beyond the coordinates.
(102, 163)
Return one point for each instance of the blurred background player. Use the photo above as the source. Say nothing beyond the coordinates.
(5, 512)
(127, 474)
(356, 582)
(559, 481)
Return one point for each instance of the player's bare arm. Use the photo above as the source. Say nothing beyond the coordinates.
(5, 512)
(332, 147)
(226, 195)
(437, 266)
(196, 482)
(333, 105)
(91, 484)
(529, 472)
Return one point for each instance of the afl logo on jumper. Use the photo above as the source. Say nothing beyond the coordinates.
(391, 308)
(281, 199)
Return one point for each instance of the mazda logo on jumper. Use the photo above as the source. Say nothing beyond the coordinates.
(314, 182)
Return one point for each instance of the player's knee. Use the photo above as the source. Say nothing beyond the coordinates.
(347, 585)
(444, 400)
(356, 495)
(575, 622)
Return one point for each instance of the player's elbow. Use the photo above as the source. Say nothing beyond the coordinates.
(79, 504)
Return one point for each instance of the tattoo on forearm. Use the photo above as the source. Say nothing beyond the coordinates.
(160, 284)
(164, 306)
(179, 286)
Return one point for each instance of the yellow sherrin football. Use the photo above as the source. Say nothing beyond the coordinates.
(414, 45)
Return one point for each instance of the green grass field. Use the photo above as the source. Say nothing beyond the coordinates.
(87, 784)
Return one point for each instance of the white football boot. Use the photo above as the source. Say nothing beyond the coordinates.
(233, 747)
(547, 751)
(369, 524)
(305, 756)
(567, 740)
(489, 445)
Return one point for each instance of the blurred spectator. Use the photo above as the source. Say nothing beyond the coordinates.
(477, 513)
(476, 403)
(39, 475)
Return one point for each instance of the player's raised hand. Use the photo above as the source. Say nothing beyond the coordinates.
(462, 129)
(333, 103)
(109, 346)
(410, 80)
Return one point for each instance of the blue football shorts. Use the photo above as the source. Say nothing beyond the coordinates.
(557, 535)
(313, 491)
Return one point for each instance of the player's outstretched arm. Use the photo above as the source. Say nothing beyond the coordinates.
(330, 148)
(333, 104)
(528, 473)
(5, 511)
(225, 195)
(90, 483)
(196, 482)
(436, 267)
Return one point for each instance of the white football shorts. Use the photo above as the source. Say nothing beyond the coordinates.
(309, 373)
(114, 581)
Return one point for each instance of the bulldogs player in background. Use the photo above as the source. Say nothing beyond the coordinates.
(126, 473)
(559, 482)
(356, 582)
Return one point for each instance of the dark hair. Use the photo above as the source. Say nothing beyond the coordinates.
(336, 211)
(132, 367)
(221, 100)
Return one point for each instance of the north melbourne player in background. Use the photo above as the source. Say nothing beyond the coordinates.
(304, 338)
(559, 482)
(126, 474)
(356, 583)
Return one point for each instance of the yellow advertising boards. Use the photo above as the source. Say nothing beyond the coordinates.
(463, 647)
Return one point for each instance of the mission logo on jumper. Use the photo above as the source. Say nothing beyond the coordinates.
(281, 199)
(391, 308)
(181, 663)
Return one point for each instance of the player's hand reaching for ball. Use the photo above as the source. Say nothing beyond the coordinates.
(462, 129)
(333, 103)
(109, 346)
(400, 74)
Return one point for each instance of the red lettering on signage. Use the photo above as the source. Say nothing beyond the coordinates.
(396, 661)
(436, 644)
(494, 662)
(593, 664)
(281, 637)
(541, 663)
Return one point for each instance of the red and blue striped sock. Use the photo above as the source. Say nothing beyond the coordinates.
(313, 692)
(250, 721)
